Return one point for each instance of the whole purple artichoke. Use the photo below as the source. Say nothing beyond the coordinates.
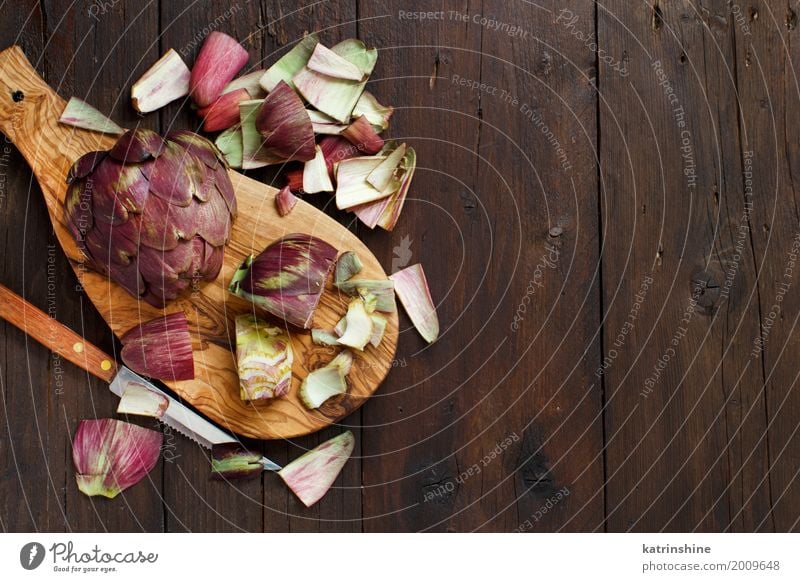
(152, 213)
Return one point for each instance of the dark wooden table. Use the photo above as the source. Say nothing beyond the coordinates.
(606, 208)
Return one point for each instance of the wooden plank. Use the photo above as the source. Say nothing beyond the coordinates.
(767, 70)
(479, 221)
(684, 404)
(407, 441)
(267, 28)
(282, 24)
(91, 56)
(539, 141)
(193, 502)
(32, 455)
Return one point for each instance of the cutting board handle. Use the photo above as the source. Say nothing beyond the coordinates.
(29, 112)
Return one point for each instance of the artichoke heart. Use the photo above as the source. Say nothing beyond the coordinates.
(264, 359)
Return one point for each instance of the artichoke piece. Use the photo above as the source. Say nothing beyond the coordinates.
(250, 82)
(412, 289)
(324, 338)
(264, 359)
(362, 134)
(315, 175)
(141, 400)
(352, 188)
(223, 113)
(312, 475)
(336, 94)
(386, 211)
(289, 64)
(229, 143)
(231, 461)
(217, 63)
(285, 201)
(384, 176)
(382, 289)
(285, 126)
(160, 348)
(378, 329)
(347, 266)
(164, 82)
(340, 327)
(287, 278)
(359, 326)
(324, 124)
(110, 455)
(327, 382)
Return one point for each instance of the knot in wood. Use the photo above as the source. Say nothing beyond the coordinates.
(706, 288)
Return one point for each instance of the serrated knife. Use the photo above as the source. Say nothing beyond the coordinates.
(61, 340)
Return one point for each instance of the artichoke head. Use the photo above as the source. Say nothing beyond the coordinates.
(152, 213)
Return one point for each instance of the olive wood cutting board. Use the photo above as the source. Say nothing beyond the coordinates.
(29, 112)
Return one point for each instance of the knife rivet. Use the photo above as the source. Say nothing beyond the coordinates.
(105, 365)
(78, 347)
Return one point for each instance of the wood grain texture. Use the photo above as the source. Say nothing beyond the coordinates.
(410, 434)
(767, 72)
(31, 442)
(545, 112)
(686, 418)
(711, 446)
(32, 123)
(267, 29)
(496, 189)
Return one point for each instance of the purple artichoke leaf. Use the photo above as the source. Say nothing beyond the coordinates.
(165, 225)
(160, 267)
(199, 177)
(128, 277)
(213, 220)
(212, 262)
(136, 190)
(160, 348)
(137, 145)
(122, 240)
(152, 215)
(198, 246)
(118, 253)
(234, 461)
(197, 146)
(115, 185)
(169, 178)
(295, 265)
(224, 186)
(85, 165)
(205, 188)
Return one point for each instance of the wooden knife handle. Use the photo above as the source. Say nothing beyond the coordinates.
(55, 336)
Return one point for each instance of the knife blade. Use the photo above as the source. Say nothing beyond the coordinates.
(66, 343)
(180, 417)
